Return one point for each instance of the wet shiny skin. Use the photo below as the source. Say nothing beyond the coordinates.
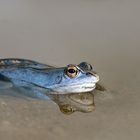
(42, 78)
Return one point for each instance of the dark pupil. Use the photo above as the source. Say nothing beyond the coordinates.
(71, 71)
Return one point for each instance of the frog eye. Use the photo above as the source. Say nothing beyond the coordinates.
(71, 71)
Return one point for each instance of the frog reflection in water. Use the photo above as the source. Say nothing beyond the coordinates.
(68, 86)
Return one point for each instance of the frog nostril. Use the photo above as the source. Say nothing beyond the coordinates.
(93, 74)
(89, 73)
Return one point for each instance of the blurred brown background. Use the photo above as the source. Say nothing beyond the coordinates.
(105, 33)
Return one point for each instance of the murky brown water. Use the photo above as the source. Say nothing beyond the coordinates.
(103, 33)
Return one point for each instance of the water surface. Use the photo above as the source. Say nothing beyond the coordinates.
(103, 33)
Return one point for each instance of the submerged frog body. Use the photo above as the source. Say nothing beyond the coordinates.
(42, 79)
(70, 103)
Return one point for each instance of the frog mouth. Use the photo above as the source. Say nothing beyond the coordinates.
(74, 88)
(89, 87)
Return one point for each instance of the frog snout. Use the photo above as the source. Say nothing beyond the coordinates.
(96, 77)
